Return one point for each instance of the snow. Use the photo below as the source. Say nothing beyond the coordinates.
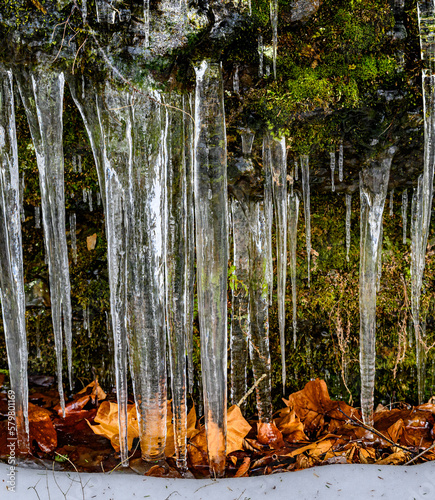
(387, 482)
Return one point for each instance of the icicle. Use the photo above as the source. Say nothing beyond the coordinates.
(373, 191)
(98, 198)
(332, 164)
(176, 290)
(305, 168)
(293, 215)
(379, 263)
(296, 170)
(85, 318)
(42, 96)
(190, 228)
(79, 164)
(420, 361)
(279, 189)
(38, 335)
(74, 163)
(22, 187)
(340, 162)
(404, 214)
(37, 217)
(85, 195)
(212, 253)
(259, 307)
(73, 236)
(274, 23)
(236, 80)
(348, 198)
(268, 212)
(247, 141)
(146, 17)
(260, 56)
(240, 318)
(107, 137)
(392, 203)
(422, 201)
(11, 261)
(84, 11)
(91, 207)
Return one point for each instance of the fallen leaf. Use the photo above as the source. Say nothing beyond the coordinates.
(290, 425)
(41, 428)
(92, 392)
(397, 458)
(242, 471)
(91, 241)
(268, 433)
(237, 429)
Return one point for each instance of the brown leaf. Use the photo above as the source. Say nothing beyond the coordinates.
(237, 429)
(242, 471)
(367, 455)
(268, 433)
(315, 449)
(396, 430)
(41, 428)
(92, 392)
(397, 458)
(290, 426)
(91, 241)
(2, 378)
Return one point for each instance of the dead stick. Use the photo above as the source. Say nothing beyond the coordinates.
(420, 454)
(358, 422)
(251, 390)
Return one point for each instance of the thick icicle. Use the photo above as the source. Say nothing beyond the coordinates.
(260, 56)
(392, 203)
(305, 168)
(405, 214)
(73, 236)
(268, 212)
(274, 23)
(332, 164)
(146, 17)
(293, 216)
(11, 263)
(340, 162)
(296, 170)
(107, 141)
(348, 198)
(279, 189)
(259, 307)
(373, 191)
(247, 141)
(42, 96)
(212, 253)
(190, 228)
(176, 290)
(240, 318)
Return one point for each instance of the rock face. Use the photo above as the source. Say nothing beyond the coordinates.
(302, 10)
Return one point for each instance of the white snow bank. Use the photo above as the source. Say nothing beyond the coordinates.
(331, 482)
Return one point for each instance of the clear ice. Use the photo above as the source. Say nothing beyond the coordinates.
(348, 198)
(340, 162)
(212, 253)
(332, 165)
(293, 216)
(274, 23)
(12, 296)
(405, 214)
(73, 236)
(305, 168)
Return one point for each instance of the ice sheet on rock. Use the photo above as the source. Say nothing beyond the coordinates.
(11, 261)
(293, 216)
(279, 189)
(212, 253)
(240, 316)
(42, 96)
(373, 191)
(305, 168)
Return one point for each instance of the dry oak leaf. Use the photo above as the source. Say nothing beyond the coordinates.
(313, 403)
(41, 428)
(290, 425)
(92, 392)
(107, 420)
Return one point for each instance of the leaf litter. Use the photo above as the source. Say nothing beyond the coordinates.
(309, 430)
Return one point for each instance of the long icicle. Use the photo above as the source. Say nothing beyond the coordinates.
(98, 125)
(212, 253)
(42, 96)
(268, 212)
(279, 189)
(293, 216)
(405, 214)
(373, 191)
(11, 262)
(348, 198)
(305, 168)
(240, 317)
(175, 272)
(274, 23)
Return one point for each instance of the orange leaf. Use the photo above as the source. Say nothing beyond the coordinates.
(268, 433)
(242, 471)
(91, 241)
(237, 429)
(41, 428)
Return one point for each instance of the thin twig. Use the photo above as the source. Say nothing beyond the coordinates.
(77, 53)
(420, 454)
(358, 422)
(251, 390)
(78, 473)
(64, 31)
(126, 460)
